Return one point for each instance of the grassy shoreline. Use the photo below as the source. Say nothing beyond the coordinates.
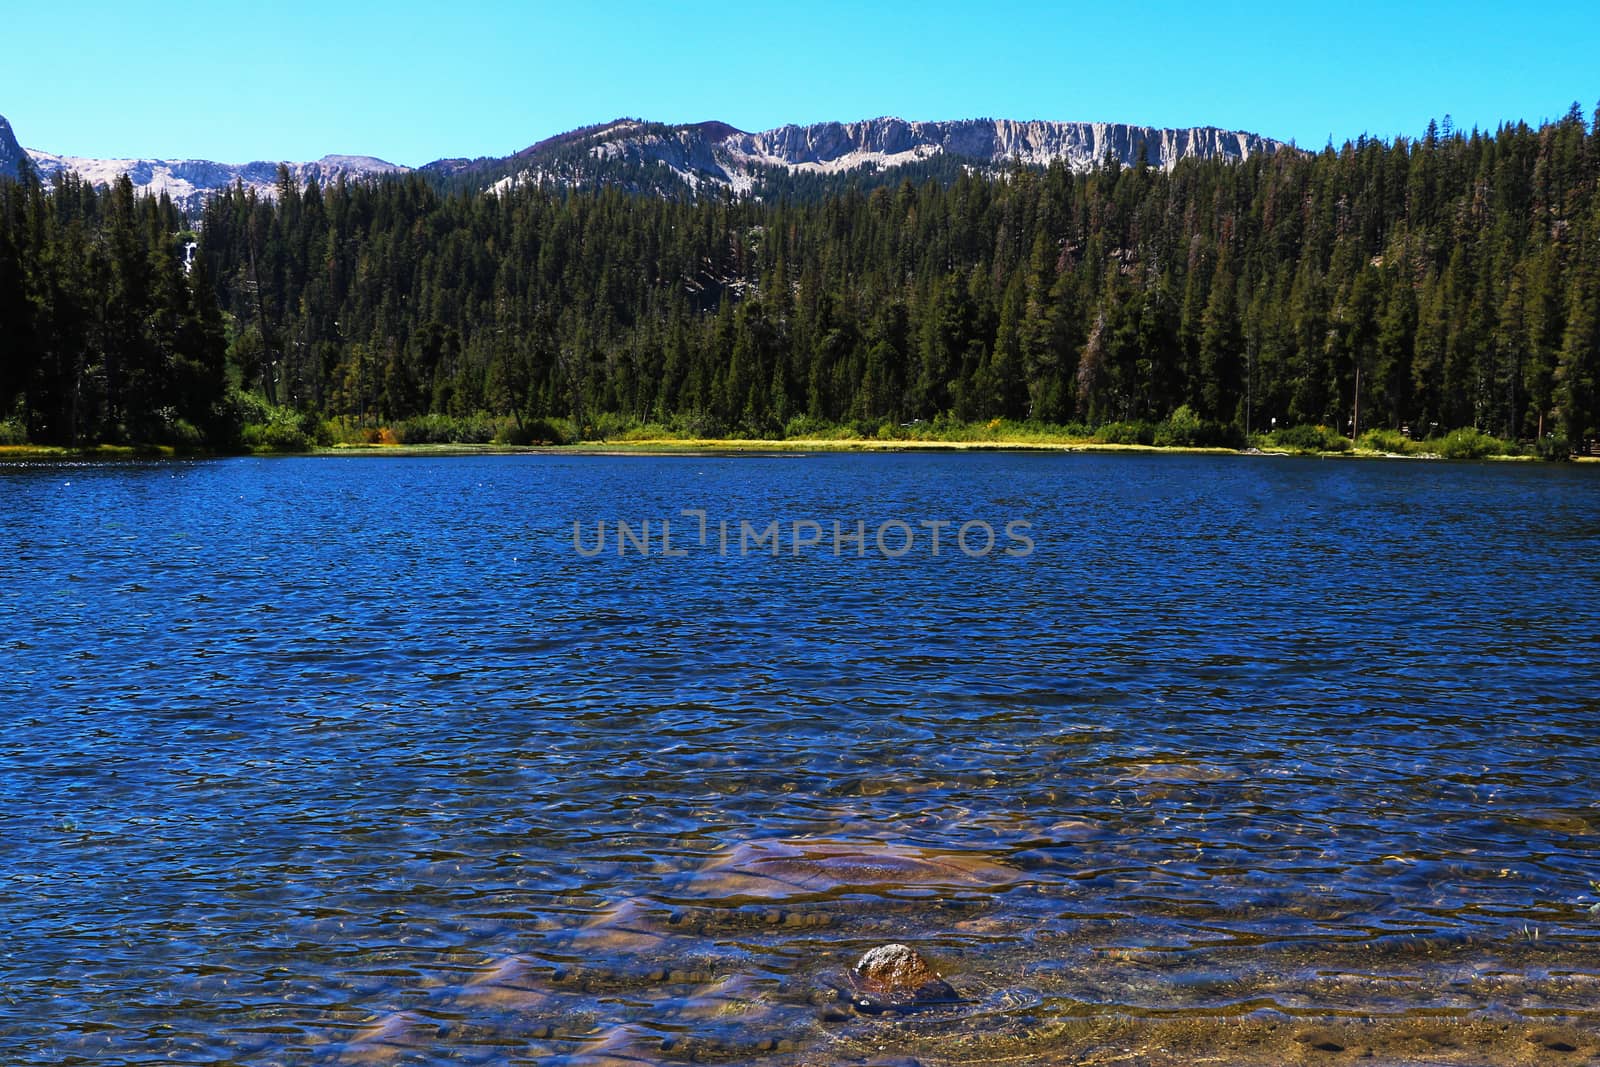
(287, 431)
(707, 445)
(668, 446)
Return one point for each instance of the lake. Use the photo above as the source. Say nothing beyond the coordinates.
(376, 759)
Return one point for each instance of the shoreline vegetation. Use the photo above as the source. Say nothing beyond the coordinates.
(1435, 295)
(435, 436)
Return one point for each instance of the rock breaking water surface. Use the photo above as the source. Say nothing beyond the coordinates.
(356, 760)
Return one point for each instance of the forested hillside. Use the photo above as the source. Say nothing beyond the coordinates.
(104, 333)
(1452, 281)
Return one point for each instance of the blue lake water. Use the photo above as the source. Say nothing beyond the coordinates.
(360, 759)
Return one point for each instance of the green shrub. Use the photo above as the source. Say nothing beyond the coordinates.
(699, 424)
(181, 433)
(514, 433)
(12, 432)
(423, 430)
(805, 427)
(265, 428)
(539, 431)
(446, 430)
(1311, 439)
(315, 429)
(644, 431)
(342, 430)
(1184, 428)
(1467, 443)
(758, 426)
(1126, 433)
(248, 407)
(605, 426)
(1387, 441)
(275, 437)
(1554, 447)
(1224, 435)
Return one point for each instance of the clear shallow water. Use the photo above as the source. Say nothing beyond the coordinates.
(356, 760)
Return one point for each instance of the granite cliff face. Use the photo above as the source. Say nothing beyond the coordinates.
(886, 141)
(667, 159)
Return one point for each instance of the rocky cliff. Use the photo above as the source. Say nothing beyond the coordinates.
(835, 146)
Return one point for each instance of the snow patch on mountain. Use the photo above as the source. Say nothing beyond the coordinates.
(190, 181)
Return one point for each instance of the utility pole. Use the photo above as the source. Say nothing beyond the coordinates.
(1355, 421)
(1249, 385)
(269, 366)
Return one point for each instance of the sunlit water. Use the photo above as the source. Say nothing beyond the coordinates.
(357, 760)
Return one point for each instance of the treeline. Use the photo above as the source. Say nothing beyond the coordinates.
(1416, 286)
(1455, 276)
(105, 336)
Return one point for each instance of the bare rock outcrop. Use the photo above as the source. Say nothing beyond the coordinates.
(896, 977)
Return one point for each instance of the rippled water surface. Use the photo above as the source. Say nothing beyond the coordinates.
(357, 760)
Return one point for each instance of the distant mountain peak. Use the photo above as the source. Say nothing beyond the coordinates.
(364, 163)
(189, 182)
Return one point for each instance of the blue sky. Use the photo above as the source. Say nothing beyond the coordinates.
(411, 82)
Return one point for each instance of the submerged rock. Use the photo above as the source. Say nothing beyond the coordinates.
(739, 998)
(393, 1036)
(896, 977)
(624, 928)
(510, 983)
(821, 868)
(621, 1046)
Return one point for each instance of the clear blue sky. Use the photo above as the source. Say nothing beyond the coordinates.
(412, 82)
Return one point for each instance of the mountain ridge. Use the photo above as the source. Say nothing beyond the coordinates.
(691, 158)
(661, 158)
(190, 182)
